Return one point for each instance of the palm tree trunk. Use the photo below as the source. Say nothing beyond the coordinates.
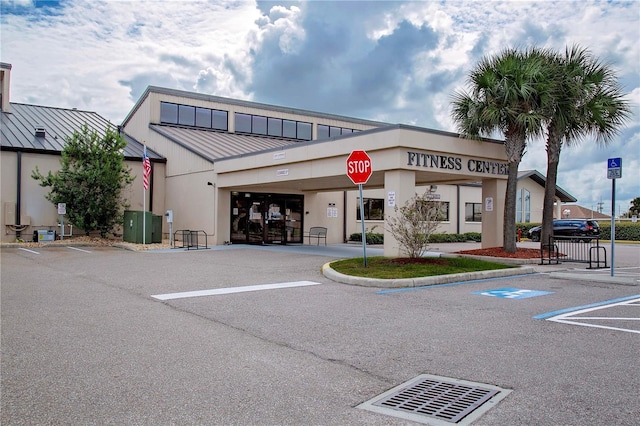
(509, 228)
(553, 158)
(514, 144)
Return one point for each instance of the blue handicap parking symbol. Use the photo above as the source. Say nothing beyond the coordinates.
(615, 163)
(512, 293)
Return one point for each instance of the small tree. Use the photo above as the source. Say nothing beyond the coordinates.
(91, 180)
(413, 224)
(635, 207)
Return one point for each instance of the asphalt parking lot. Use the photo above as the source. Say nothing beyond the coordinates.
(96, 335)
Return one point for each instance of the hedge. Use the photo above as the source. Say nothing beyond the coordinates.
(624, 231)
(455, 238)
(376, 238)
(372, 237)
(627, 231)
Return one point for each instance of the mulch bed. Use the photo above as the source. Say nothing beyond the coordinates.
(521, 253)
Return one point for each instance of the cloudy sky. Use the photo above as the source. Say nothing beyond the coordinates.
(393, 61)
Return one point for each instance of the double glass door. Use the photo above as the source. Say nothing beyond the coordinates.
(258, 218)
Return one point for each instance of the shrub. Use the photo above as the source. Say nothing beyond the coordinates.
(372, 237)
(627, 231)
(413, 223)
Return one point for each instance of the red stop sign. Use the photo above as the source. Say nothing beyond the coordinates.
(359, 167)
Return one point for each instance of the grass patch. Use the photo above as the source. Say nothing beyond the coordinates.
(396, 268)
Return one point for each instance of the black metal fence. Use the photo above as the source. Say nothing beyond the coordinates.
(574, 249)
(191, 240)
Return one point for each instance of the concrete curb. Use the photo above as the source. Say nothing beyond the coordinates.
(333, 275)
(505, 260)
(596, 278)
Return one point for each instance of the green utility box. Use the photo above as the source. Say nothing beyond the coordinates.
(133, 227)
(156, 231)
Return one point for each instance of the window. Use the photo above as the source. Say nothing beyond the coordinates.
(373, 209)
(523, 206)
(289, 129)
(203, 117)
(430, 204)
(323, 131)
(304, 130)
(186, 115)
(444, 209)
(259, 125)
(168, 113)
(243, 123)
(220, 121)
(473, 212)
(274, 127)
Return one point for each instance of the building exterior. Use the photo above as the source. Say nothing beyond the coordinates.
(34, 136)
(245, 172)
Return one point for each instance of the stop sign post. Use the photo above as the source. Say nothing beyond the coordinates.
(359, 170)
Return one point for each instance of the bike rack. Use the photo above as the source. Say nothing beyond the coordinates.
(574, 249)
(597, 261)
(190, 239)
(551, 248)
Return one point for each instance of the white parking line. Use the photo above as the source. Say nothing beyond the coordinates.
(30, 251)
(74, 248)
(573, 319)
(230, 290)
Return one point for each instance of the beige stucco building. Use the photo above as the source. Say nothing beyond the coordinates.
(245, 172)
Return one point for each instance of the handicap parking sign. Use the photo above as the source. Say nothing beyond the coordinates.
(512, 293)
(614, 168)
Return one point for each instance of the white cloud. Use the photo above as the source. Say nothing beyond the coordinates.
(283, 24)
(100, 55)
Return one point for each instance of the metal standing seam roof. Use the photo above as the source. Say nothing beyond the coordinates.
(17, 129)
(212, 145)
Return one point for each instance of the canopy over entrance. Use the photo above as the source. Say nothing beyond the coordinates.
(402, 157)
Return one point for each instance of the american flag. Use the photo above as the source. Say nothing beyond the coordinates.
(146, 166)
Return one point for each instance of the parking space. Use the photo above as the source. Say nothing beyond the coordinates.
(620, 314)
(261, 336)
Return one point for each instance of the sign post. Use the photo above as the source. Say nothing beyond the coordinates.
(359, 171)
(614, 171)
(62, 210)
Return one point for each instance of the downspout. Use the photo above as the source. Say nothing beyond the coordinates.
(18, 193)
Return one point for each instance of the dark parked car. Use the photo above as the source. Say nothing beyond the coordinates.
(569, 228)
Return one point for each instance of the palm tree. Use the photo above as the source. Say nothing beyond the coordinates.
(508, 96)
(587, 101)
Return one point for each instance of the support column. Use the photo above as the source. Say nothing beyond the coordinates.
(403, 184)
(493, 193)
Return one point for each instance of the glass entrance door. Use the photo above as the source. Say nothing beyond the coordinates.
(255, 228)
(258, 218)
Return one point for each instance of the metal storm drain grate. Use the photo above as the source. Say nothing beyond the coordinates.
(437, 400)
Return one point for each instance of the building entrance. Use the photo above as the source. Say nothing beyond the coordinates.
(258, 218)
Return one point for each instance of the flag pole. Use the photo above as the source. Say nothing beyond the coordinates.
(144, 199)
(144, 216)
